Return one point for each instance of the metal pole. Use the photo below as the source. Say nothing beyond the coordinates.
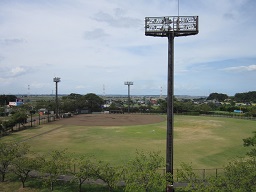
(170, 93)
(128, 98)
(57, 104)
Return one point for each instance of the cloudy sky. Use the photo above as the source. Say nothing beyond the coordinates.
(94, 46)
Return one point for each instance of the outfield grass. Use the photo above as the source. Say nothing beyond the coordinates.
(207, 142)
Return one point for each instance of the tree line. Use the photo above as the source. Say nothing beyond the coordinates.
(91, 102)
(139, 174)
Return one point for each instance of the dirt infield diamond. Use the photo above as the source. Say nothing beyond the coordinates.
(110, 119)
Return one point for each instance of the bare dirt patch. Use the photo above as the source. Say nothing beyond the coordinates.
(110, 119)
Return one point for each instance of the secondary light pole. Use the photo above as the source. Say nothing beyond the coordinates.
(128, 83)
(56, 80)
(170, 27)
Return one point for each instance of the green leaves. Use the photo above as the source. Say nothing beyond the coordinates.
(107, 173)
(251, 142)
(54, 165)
(10, 152)
(83, 169)
(143, 174)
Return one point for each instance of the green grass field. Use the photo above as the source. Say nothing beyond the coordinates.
(206, 142)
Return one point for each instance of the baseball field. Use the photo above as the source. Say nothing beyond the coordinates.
(206, 142)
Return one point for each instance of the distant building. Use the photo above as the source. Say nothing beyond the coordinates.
(18, 102)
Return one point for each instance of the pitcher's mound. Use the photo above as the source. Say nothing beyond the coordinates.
(111, 119)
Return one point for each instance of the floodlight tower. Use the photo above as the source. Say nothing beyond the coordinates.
(170, 27)
(128, 83)
(56, 80)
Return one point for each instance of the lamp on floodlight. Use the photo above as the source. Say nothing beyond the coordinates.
(128, 83)
(56, 80)
(170, 27)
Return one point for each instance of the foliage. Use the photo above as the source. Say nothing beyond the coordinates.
(8, 153)
(72, 96)
(23, 165)
(82, 171)
(187, 175)
(54, 165)
(245, 97)
(19, 117)
(251, 141)
(142, 173)
(7, 125)
(93, 102)
(239, 175)
(74, 102)
(5, 99)
(217, 96)
(107, 173)
(162, 105)
(50, 105)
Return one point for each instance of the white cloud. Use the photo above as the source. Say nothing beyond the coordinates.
(241, 68)
(17, 71)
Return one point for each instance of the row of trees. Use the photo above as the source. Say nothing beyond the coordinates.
(93, 103)
(247, 97)
(139, 174)
(73, 103)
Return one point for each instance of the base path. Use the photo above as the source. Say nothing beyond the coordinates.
(111, 119)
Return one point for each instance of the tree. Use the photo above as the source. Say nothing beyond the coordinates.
(162, 105)
(72, 102)
(72, 96)
(8, 125)
(245, 97)
(5, 99)
(23, 165)
(83, 170)
(251, 142)
(204, 108)
(142, 173)
(217, 96)
(93, 102)
(50, 105)
(54, 165)
(8, 153)
(19, 117)
(107, 173)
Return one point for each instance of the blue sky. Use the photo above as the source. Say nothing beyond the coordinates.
(95, 46)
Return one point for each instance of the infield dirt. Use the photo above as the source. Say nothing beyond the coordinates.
(111, 119)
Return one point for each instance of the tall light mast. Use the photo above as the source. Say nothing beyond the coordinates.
(128, 83)
(170, 27)
(56, 80)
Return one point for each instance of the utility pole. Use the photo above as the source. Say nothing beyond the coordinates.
(170, 27)
(128, 83)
